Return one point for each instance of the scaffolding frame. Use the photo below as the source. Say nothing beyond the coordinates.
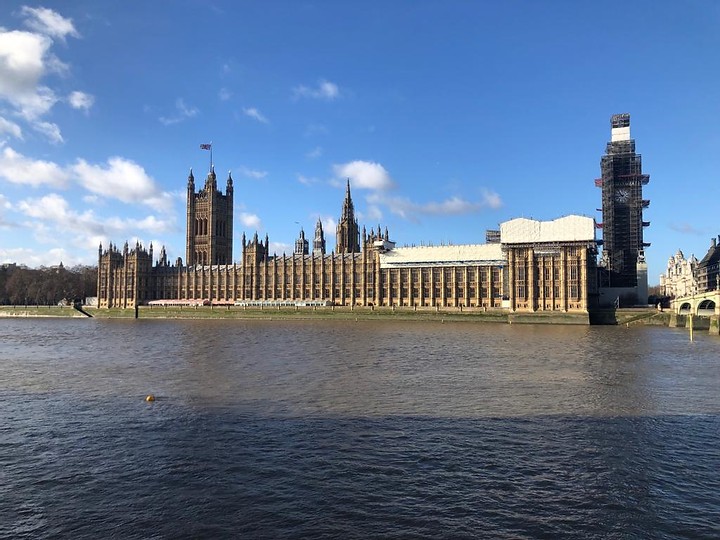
(621, 183)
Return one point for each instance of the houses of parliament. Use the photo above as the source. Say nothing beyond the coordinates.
(526, 265)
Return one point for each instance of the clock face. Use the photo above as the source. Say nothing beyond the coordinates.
(622, 195)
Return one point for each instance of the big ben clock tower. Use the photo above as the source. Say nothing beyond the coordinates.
(622, 206)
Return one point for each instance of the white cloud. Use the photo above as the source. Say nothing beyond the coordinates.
(121, 179)
(11, 128)
(365, 175)
(306, 180)
(250, 220)
(491, 199)
(48, 22)
(150, 224)
(25, 59)
(224, 94)
(374, 213)
(4, 205)
(182, 112)
(19, 169)
(34, 259)
(329, 224)
(325, 90)
(407, 209)
(52, 207)
(315, 129)
(252, 112)
(280, 247)
(50, 130)
(81, 100)
(23, 62)
(253, 173)
(687, 228)
(53, 213)
(314, 153)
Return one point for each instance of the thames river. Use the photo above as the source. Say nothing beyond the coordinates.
(323, 429)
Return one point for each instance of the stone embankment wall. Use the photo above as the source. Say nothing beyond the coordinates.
(620, 317)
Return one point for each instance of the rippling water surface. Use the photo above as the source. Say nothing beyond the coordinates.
(265, 429)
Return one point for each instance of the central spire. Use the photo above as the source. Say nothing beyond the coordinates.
(348, 235)
(348, 208)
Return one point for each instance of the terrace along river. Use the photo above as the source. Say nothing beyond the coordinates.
(335, 429)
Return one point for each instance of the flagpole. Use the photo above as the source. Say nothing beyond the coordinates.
(211, 159)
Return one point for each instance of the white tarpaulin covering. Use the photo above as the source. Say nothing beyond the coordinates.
(564, 229)
(466, 254)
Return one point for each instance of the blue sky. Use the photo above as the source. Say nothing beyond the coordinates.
(449, 117)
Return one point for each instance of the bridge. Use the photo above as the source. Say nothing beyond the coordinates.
(704, 304)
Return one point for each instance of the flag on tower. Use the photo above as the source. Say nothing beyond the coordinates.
(206, 146)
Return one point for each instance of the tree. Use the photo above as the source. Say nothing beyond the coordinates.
(19, 285)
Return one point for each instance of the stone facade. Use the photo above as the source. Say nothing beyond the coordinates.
(125, 278)
(708, 269)
(536, 266)
(209, 222)
(680, 278)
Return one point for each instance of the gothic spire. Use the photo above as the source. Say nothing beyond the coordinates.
(348, 236)
(348, 207)
(319, 240)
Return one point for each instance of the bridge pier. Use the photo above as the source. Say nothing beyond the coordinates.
(676, 320)
(715, 325)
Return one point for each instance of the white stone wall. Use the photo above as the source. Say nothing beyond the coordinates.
(679, 279)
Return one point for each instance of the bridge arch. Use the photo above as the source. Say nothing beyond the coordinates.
(685, 308)
(706, 307)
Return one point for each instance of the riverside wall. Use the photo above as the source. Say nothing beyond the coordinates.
(622, 317)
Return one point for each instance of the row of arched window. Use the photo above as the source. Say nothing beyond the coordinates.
(201, 227)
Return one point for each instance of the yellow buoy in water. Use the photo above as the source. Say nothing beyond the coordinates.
(150, 397)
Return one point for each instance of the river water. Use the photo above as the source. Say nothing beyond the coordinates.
(317, 429)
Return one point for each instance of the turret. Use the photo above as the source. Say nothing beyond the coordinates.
(319, 240)
(301, 245)
(211, 180)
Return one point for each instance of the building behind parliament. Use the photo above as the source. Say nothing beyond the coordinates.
(526, 266)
